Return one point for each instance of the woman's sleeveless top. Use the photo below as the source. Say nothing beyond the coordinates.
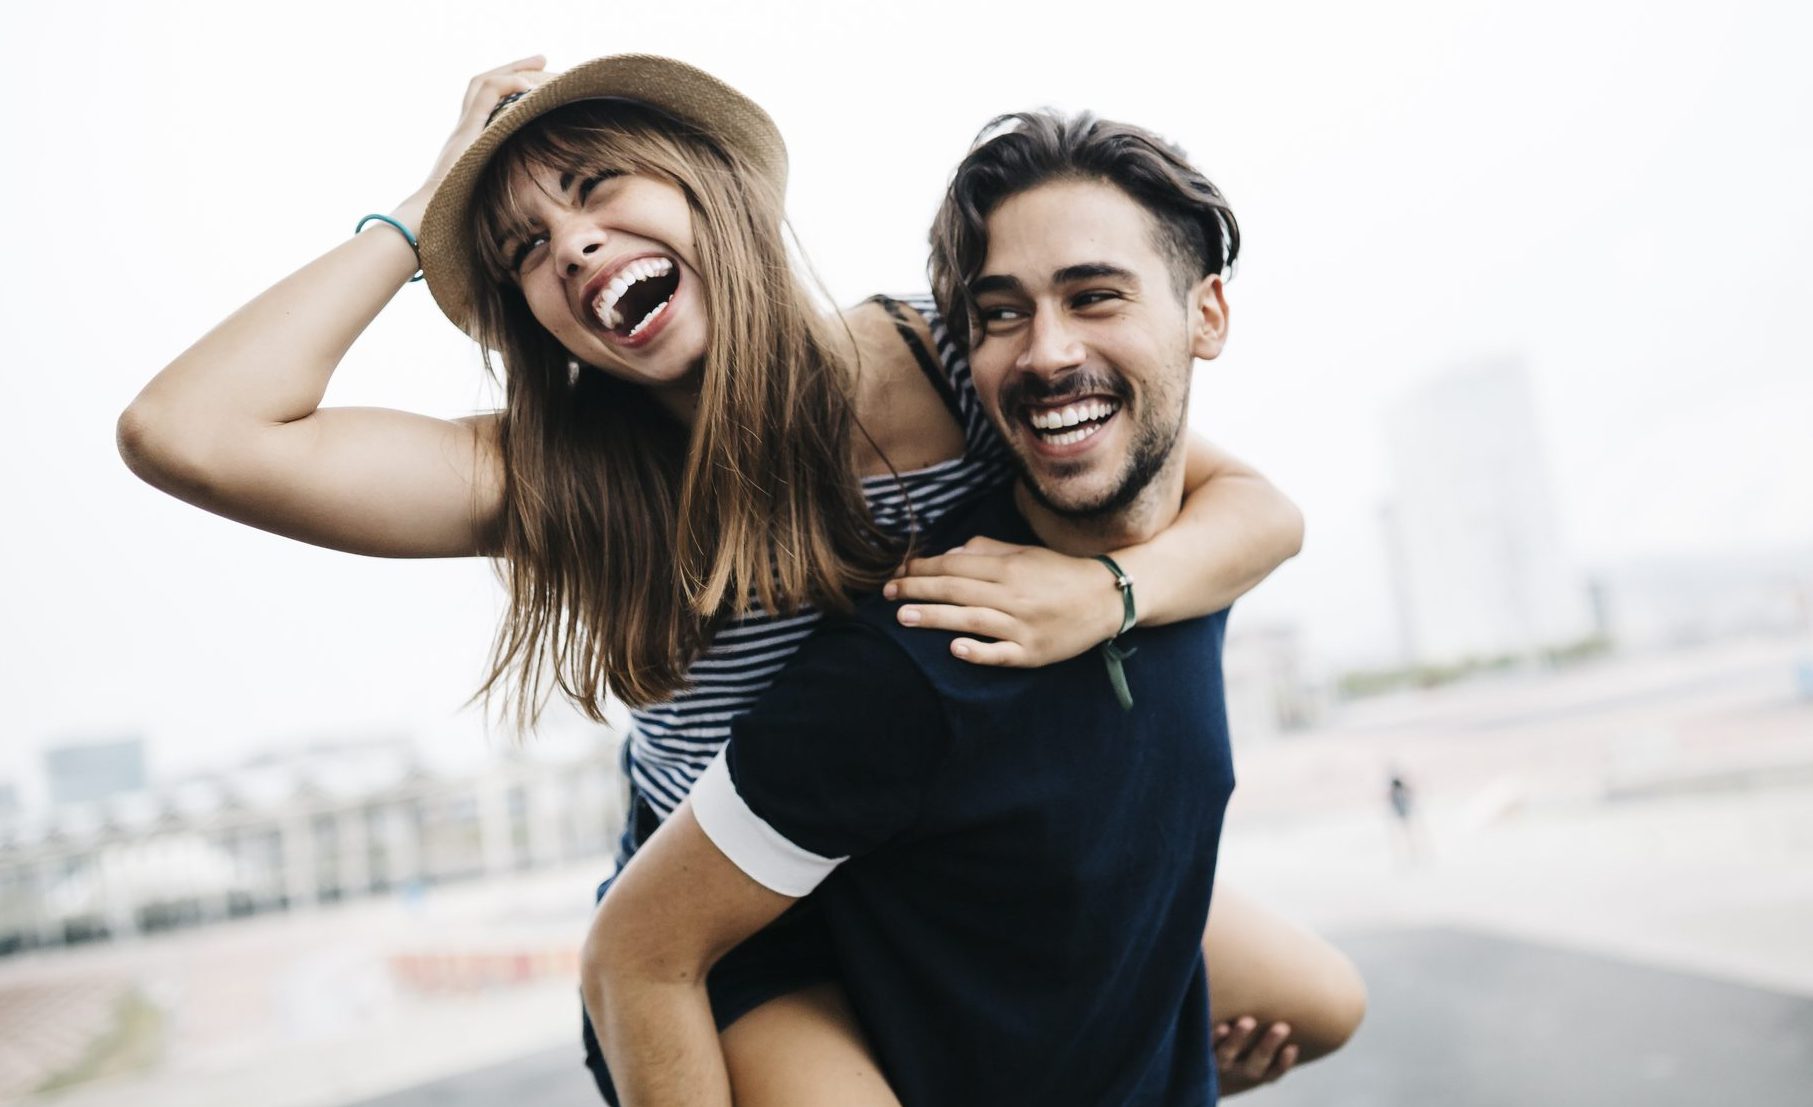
(673, 742)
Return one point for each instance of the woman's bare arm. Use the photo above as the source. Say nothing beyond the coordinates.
(234, 425)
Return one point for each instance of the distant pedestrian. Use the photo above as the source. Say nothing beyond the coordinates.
(1407, 835)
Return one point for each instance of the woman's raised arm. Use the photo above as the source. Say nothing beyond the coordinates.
(234, 425)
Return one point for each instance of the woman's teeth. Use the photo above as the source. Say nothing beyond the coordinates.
(649, 318)
(1072, 423)
(639, 270)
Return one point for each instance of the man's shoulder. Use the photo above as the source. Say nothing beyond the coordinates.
(992, 516)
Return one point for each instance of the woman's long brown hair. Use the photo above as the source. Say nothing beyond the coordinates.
(625, 536)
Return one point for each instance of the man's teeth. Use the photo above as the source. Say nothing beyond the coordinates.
(1070, 416)
(1067, 437)
(639, 270)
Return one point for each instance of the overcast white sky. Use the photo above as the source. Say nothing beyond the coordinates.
(1615, 192)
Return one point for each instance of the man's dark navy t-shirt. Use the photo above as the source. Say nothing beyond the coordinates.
(1028, 865)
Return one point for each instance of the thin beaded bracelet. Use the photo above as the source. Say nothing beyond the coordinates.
(408, 236)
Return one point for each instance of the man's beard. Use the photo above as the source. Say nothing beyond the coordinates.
(1147, 455)
(1151, 449)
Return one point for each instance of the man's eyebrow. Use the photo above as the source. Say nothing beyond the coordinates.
(1093, 271)
(981, 286)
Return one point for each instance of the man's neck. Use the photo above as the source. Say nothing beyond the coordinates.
(1151, 511)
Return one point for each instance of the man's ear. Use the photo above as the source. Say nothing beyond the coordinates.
(1207, 305)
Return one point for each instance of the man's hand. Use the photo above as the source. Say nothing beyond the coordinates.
(1247, 1059)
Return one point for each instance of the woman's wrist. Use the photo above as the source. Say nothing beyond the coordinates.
(412, 210)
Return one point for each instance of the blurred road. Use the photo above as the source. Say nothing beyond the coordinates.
(1560, 1029)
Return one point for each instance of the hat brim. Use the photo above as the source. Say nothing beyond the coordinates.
(683, 91)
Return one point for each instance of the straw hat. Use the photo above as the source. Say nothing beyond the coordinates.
(680, 90)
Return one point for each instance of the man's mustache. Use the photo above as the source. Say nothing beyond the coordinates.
(1032, 388)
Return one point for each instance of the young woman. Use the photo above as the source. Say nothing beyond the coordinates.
(692, 462)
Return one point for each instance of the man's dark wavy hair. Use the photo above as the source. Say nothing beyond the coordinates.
(1022, 150)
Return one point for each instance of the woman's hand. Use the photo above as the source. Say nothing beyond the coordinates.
(1038, 605)
(482, 95)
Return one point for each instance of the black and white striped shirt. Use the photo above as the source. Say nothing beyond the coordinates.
(672, 743)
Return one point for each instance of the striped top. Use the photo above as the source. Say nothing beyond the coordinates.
(672, 743)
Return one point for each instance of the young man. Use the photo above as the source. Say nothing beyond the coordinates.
(1013, 866)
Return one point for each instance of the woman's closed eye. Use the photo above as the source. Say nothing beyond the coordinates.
(531, 240)
(589, 184)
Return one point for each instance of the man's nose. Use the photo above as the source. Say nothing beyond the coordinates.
(1051, 344)
(576, 247)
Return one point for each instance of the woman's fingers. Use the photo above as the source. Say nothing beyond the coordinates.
(1006, 654)
(989, 547)
(984, 621)
(483, 93)
(964, 564)
(491, 79)
(957, 590)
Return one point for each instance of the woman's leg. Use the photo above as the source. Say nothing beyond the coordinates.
(1264, 967)
(803, 1050)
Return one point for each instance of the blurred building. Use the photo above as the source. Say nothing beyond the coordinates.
(82, 772)
(292, 832)
(1667, 602)
(1269, 690)
(1476, 557)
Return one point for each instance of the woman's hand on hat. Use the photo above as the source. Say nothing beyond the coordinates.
(1039, 606)
(482, 95)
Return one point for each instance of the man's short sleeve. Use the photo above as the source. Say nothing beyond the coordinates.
(833, 760)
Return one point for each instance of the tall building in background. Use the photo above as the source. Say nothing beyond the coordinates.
(1475, 550)
(81, 772)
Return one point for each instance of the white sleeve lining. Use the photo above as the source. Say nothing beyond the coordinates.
(761, 851)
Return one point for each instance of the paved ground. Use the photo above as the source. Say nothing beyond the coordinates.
(1462, 1020)
(1457, 1020)
(551, 1078)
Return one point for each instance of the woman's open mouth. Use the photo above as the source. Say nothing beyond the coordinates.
(636, 297)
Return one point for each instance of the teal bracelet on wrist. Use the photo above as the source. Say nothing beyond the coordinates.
(408, 236)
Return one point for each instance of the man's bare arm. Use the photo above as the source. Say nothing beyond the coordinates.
(679, 905)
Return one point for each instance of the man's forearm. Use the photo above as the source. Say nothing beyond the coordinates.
(660, 1041)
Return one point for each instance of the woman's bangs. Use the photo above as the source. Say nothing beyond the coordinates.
(502, 204)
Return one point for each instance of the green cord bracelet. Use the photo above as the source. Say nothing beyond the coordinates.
(1113, 654)
(408, 236)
